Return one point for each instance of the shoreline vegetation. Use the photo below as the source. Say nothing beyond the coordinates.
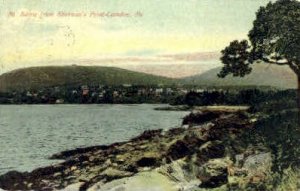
(203, 108)
(214, 149)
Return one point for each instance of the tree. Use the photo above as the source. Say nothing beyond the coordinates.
(274, 39)
(192, 98)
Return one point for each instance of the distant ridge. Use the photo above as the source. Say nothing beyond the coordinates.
(49, 76)
(262, 75)
(38, 77)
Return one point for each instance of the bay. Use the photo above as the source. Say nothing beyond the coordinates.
(29, 134)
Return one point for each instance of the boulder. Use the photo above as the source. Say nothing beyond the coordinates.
(258, 163)
(214, 173)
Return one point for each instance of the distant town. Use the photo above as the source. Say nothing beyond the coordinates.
(121, 94)
(126, 93)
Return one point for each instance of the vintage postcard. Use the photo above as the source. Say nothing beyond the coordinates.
(148, 95)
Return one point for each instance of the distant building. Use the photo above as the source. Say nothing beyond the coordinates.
(199, 90)
(28, 94)
(127, 85)
(59, 101)
(85, 90)
(142, 91)
(83, 87)
(115, 94)
(159, 91)
(169, 91)
(183, 91)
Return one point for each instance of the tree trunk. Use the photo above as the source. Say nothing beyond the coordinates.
(298, 100)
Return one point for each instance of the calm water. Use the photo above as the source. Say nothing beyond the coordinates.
(31, 133)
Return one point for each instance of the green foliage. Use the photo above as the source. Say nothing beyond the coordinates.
(275, 102)
(260, 101)
(274, 39)
(289, 180)
(276, 32)
(281, 133)
(235, 58)
(192, 99)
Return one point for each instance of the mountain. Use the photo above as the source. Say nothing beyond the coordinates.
(173, 70)
(37, 77)
(261, 75)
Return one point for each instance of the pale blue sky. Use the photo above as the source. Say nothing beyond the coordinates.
(189, 16)
(165, 27)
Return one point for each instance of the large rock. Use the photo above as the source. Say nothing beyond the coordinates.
(214, 173)
(258, 163)
(144, 181)
(251, 170)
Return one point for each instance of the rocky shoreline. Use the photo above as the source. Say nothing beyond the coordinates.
(209, 152)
